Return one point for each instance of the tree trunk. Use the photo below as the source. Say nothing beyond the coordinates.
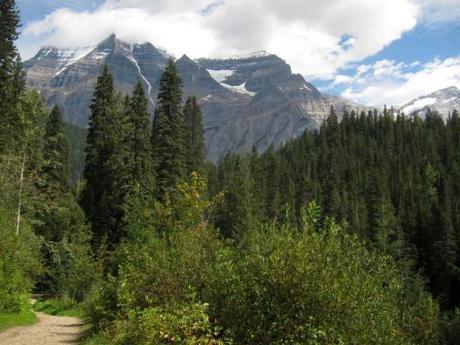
(21, 183)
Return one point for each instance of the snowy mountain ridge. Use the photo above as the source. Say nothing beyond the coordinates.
(248, 101)
(443, 101)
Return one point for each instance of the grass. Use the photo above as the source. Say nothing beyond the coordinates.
(59, 307)
(23, 318)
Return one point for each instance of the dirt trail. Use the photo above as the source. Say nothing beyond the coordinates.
(49, 330)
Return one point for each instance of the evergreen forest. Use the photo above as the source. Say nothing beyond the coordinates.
(345, 235)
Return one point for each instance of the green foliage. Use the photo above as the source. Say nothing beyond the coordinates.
(195, 136)
(56, 155)
(290, 286)
(312, 284)
(19, 264)
(392, 180)
(23, 318)
(235, 214)
(169, 133)
(59, 306)
(66, 248)
(156, 280)
(71, 269)
(181, 324)
(11, 75)
(138, 144)
(451, 328)
(104, 194)
(19, 174)
(76, 138)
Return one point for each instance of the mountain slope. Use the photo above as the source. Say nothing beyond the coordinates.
(443, 101)
(247, 101)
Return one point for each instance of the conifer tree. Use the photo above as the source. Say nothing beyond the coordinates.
(235, 216)
(195, 138)
(168, 133)
(11, 74)
(56, 154)
(105, 172)
(137, 139)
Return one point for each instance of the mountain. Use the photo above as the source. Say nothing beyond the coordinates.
(443, 101)
(247, 101)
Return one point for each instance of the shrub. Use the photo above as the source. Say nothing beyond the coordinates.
(176, 324)
(19, 264)
(316, 286)
(313, 285)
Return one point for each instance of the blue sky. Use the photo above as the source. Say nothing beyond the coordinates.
(38, 9)
(373, 52)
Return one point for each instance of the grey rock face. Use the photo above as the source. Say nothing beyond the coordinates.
(248, 101)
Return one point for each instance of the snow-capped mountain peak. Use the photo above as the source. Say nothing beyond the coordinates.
(443, 101)
(252, 100)
(63, 57)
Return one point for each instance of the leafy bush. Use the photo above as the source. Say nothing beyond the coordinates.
(175, 324)
(451, 328)
(315, 285)
(63, 306)
(22, 318)
(19, 264)
(70, 266)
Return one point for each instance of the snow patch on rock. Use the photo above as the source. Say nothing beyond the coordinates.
(221, 75)
(67, 57)
(239, 89)
(419, 104)
(449, 100)
(101, 55)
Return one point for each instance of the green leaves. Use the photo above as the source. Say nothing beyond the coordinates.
(287, 286)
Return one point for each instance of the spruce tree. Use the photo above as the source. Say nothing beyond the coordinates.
(56, 154)
(138, 141)
(168, 133)
(105, 172)
(235, 214)
(11, 74)
(195, 136)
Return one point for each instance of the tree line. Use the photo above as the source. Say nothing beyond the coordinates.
(393, 180)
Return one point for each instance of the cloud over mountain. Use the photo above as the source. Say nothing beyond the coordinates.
(316, 37)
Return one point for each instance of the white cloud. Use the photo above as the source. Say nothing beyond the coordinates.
(315, 37)
(436, 12)
(395, 83)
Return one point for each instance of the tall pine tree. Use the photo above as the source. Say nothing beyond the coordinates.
(56, 154)
(195, 136)
(169, 133)
(137, 140)
(105, 172)
(11, 74)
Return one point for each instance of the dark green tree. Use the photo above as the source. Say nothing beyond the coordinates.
(56, 154)
(137, 141)
(169, 133)
(235, 216)
(105, 172)
(195, 136)
(11, 74)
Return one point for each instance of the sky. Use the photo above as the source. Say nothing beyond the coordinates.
(373, 52)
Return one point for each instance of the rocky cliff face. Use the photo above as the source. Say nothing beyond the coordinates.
(247, 101)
